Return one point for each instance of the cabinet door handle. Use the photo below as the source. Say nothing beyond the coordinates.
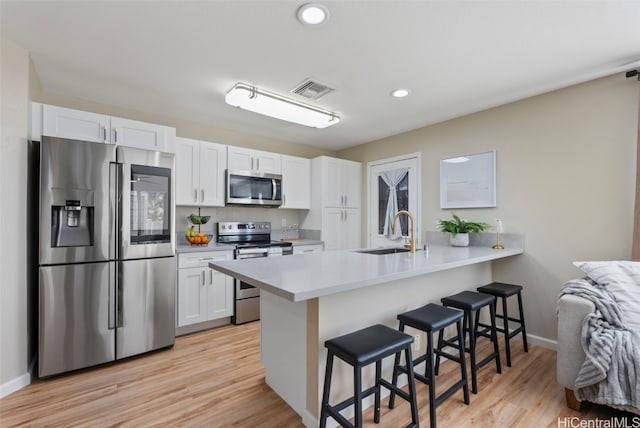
(210, 276)
(346, 201)
(258, 163)
(115, 135)
(202, 195)
(203, 278)
(104, 133)
(195, 195)
(252, 162)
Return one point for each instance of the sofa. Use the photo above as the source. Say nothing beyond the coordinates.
(598, 352)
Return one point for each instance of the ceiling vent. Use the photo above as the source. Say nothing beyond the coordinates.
(311, 89)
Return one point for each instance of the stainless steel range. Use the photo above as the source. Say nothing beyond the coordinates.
(252, 240)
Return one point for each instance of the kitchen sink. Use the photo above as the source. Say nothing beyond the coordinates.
(381, 251)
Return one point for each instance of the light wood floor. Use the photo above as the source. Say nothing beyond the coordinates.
(215, 379)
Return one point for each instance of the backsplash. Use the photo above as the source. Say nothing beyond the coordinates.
(274, 215)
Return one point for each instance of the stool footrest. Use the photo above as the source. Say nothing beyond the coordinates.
(487, 328)
(449, 392)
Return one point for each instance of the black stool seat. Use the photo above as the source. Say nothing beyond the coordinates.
(359, 349)
(503, 291)
(368, 345)
(500, 289)
(468, 300)
(432, 318)
(471, 303)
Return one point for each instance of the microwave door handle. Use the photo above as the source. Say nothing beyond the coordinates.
(273, 185)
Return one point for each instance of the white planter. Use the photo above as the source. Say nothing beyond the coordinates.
(459, 240)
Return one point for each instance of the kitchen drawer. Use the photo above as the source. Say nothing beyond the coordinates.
(202, 259)
(307, 249)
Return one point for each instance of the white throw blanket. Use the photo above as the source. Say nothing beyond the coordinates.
(610, 373)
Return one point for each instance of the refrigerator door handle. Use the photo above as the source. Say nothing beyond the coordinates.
(119, 295)
(112, 298)
(115, 177)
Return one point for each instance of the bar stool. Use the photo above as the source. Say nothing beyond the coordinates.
(431, 319)
(359, 349)
(471, 303)
(503, 291)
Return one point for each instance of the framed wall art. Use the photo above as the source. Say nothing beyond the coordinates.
(468, 181)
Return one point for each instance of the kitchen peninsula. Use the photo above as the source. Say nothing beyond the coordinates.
(307, 299)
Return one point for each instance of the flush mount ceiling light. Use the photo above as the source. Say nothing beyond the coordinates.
(400, 93)
(250, 98)
(313, 14)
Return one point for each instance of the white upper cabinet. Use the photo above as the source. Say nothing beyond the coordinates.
(342, 182)
(75, 124)
(296, 182)
(54, 121)
(140, 135)
(239, 158)
(200, 169)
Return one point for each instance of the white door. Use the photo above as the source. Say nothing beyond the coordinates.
(187, 171)
(192, 302)
(75, 124)
(213, 163)
(394, 185)
(141, 135)
(296, 182)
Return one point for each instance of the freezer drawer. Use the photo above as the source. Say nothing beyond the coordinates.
(146, 301)
(77, 305)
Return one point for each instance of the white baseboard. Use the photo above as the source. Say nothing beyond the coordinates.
(14, 385)
(542, 341)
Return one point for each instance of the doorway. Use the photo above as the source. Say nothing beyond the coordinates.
(394, 184)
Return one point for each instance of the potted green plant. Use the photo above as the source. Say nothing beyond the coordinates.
(459, 229)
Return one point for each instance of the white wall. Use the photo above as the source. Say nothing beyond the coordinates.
(566, 165)
(14, 358)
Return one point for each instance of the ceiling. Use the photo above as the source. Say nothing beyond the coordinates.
(179, 58)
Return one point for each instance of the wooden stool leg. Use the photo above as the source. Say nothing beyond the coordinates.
(412, 387)
(357, 394)
(524, 330)
(396, 371)
(494, 334)
(505, 325)
(376, 409)
(430, 374)
(325, 393)
(468, 321)
(463, 365)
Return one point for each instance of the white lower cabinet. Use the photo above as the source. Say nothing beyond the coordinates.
(341, 228)
(203, 293)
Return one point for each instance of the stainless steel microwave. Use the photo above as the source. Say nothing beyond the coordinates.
(254, 188)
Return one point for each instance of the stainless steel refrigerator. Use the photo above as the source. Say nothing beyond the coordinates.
(106, 254)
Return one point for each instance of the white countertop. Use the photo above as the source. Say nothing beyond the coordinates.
(213, 246)
(303, 277)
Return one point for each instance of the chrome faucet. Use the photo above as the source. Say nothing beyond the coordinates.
(411, 245)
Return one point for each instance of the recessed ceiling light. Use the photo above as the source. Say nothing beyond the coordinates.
(400, 93)
(313, 13)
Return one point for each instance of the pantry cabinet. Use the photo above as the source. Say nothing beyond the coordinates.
(200, 172)
(336, 188)
(296, 182)
(55, 121)
(242, 159)
(203, 293)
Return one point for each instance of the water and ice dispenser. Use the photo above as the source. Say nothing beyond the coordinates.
(72, 223)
